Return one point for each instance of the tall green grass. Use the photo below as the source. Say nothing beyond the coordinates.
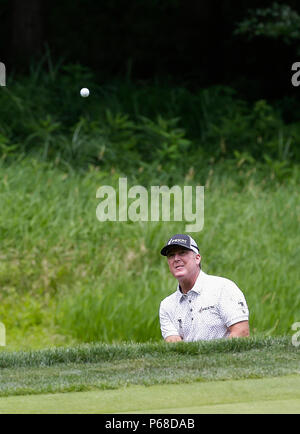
(102, 352)
(66, 277)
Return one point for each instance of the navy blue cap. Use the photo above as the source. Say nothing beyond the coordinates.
(181, 240)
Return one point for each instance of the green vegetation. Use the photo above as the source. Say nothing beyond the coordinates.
(143, 129)
(263, 396)
(64, 276)
(90, 291)
(268, 395)
(279, 21)
(113, 366)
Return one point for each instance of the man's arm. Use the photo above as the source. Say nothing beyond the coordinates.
(169, 331)
(239, 330)
(173, 339)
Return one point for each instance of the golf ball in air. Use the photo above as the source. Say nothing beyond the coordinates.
(84, 92)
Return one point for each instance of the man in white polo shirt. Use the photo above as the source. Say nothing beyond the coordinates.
(203, 307)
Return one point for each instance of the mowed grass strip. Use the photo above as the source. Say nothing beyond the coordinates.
(102, 366)
(268, 395)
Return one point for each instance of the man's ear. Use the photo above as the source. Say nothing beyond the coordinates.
(198, 258)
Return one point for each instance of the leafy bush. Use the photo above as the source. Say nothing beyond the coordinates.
(144, 130)
(279, 21)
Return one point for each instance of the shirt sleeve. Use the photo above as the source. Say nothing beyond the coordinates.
(232, 305)
(167, 326)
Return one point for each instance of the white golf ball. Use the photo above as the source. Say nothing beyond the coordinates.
(84, 92)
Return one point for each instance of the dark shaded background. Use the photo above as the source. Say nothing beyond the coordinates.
(187, 42)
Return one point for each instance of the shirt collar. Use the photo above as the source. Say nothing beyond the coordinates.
(196, 288)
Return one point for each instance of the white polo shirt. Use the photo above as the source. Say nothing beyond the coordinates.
(205, 312)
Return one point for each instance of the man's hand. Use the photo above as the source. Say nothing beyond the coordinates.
(173, 339)
(239, 330)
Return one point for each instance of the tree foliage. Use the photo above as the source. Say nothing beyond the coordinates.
(279, 21)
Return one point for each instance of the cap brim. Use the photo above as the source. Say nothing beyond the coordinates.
(164, 250)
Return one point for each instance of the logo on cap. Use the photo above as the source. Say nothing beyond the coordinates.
(177, 240)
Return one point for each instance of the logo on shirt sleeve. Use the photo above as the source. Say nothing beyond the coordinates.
(241, 303)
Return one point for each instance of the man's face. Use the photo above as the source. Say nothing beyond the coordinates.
(183, 262)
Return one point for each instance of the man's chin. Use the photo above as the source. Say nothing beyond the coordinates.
(179, 273)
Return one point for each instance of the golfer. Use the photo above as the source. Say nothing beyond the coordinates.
(203, 307)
